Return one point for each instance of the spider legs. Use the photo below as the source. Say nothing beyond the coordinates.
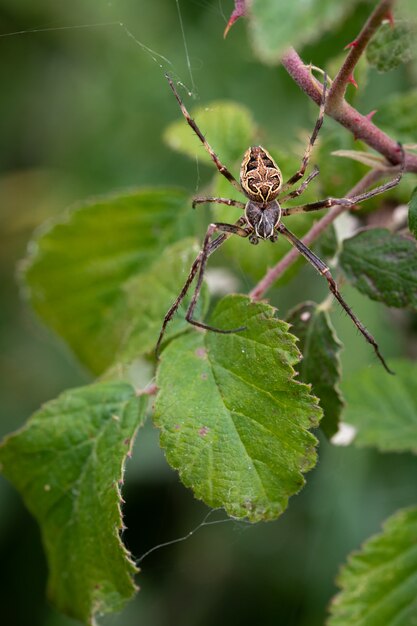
(307, 154)
(324, 271)
(222, 168)
(199, 265)
(227, 201)
(329, 202)
(229, 229)
(297, 192)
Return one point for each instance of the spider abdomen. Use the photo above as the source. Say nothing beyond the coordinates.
(263, 219)
(260, 176)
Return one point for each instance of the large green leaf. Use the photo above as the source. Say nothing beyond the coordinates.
(233, 420)
(67, 463)
(228, 127)
(276, 24)
(412, 213)
(392, 45)
(383, 266)
(320, 364)
(77, 270)
(384, 408)
(378, 584)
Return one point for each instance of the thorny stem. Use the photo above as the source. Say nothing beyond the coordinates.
(275, 272)
(357, 47)
(360, 125)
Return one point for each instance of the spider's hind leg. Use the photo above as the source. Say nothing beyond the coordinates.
(324, 271)
(210, 245)
(227, 229)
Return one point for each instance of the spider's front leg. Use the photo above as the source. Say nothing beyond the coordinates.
(210, 245)
(297, 192)
(307, 154)
(222, 168)
(324, 271)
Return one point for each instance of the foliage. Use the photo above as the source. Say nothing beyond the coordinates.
(382, 265)
(389, 422)
(79, 267)
(320, 365)
(67, 462)
(277, 25)
(234, 411)
(233, 421)
(398, 115)
(391, 46)
(412, 214)
(378, 582)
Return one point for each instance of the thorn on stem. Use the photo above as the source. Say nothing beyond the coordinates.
(390, 17)
(238, 11)
(352, 44)
(352, 81)
(370, 115)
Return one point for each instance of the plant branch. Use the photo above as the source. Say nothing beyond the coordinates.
(357, 47)
(360, 125)
(275, 272)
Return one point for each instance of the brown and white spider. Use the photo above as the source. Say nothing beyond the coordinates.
(262, 184)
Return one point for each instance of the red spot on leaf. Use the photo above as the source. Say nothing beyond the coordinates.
(201, 353)
(203, 431)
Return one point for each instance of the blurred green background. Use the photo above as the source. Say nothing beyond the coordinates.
(82, 113)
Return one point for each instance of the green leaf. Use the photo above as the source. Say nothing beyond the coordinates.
(378, 583)
(327, 246)
(77, 270)
(228, 127)
(375, 161)
(320, 364)
(277, 25)
(391, 46)
(67, 463)
(397, 115)
(382, 265)
(412, 213)
(384, 408)
(233, 420)
(150, 295)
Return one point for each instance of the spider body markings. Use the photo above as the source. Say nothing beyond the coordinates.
(262, 183)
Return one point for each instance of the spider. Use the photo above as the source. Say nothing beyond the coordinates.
(262, 183)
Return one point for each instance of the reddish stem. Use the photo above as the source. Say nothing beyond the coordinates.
(359, 125)
(344, 76)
